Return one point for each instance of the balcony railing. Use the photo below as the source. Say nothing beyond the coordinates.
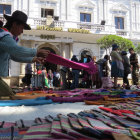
(95, 28)
(121, 32)
(91, 26)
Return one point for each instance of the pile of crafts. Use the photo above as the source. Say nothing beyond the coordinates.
(118, 117)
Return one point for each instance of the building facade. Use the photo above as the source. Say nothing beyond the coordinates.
(72, 27)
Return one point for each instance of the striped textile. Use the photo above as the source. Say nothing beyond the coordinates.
(108, 114)
(127, 123)
(68, 129)
(25, 123)
(10, 133)
(39, 132)
(75, 124)
(90, 130)
(99, 125)
(4, 124)
(111, 123)
(49, 118)
(40, 121)
(57, 131)
(133, 117)
(86, 114)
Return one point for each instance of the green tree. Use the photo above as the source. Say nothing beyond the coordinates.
(107, 41)
(137, 49)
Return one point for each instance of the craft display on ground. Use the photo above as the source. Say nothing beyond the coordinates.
(118, 117)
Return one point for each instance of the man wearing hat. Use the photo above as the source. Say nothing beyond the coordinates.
(10, 50)
(117, 68)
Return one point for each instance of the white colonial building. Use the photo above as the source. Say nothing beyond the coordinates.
(73, 26)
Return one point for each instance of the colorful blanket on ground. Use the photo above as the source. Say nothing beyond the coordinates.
(27, 102)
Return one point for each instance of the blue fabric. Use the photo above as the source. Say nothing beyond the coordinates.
(26, 102)
(115, 71)
(10, 50)
(128, 96)
(138, 101)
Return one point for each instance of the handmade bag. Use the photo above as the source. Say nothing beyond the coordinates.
(106, 82)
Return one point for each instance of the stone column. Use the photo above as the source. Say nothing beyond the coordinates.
(63, 50)
(71, 50)
(22, 69)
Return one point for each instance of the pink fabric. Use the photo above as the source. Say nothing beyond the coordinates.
(55, 59)
(76, 92)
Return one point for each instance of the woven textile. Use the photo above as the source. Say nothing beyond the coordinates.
(66, 127)
(117, 112)
(73, 99)
(128, 106)
(86, 114)
(49, 118)
(111, 123)
(57, 131)
(25, 123)
(102, 126)
(89, 129)
(98, 114)
(133, 117)
(26, 102)
(55, 59)
(40, 121)
(75, 124)
(138, 114)
(10, 133)
(39, 132)
(72, 115)
(127, 123)
(108, 114)
(4, 124)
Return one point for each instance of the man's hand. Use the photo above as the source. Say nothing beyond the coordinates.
(39, 60)
(42, 53)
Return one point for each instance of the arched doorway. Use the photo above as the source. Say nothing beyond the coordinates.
(84, 53)
(48, 65)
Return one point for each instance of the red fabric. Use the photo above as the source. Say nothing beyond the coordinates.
(55, 59)
(39, 72)
(117, 112)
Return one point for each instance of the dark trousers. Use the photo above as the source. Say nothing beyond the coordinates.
(75, 83)
(64, 80)
(125, 79)
(135, 75)
(28, 79)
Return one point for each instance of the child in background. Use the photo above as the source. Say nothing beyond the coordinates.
(50, 78)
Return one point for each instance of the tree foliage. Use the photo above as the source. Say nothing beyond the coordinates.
(137, 49)
(107, 41)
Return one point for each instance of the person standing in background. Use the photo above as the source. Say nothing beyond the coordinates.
(134, 66)
(28, 74)
(50, 78)
(75, 74)
(117, 68)
(127, 68)
(63, 72)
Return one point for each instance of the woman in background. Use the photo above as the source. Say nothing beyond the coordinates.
(117, 68)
